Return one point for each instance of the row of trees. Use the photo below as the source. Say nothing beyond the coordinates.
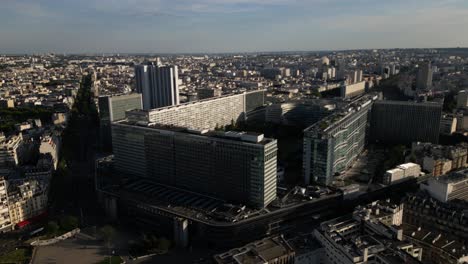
(64, 224)
(11, 116)
(150, 244)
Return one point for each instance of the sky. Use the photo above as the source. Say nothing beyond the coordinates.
(212, 26)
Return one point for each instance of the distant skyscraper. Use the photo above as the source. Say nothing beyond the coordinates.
(424, 78)
(462, 99)
(158, 85)
(393, 69)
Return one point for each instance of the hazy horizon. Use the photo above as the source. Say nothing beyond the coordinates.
(228, 26)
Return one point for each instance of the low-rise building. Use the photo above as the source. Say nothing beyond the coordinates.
(307, 249)
(10, 149)
(370, 235)
(50, 144)
(7, 103)
(204, 93)
(448, 187)
(26, 199)
(421, 210)
(5, 221)
(401, 172)
(437, 165)
(438, 248)
(448, 124)
(271, 250)
(428, 154)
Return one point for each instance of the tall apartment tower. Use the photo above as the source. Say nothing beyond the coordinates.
(424, 77)
(158, 85)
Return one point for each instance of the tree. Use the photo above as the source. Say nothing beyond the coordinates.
(68, 222)
(107, 233)
(52, 228)
(164, 244)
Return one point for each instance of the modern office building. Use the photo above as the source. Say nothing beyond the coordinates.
(448, 187)
(424, 77)
(238, 167)
(300, 113)
(353, 89)
(205, 93)
(201, 219)
(462, 99)
(113, 108)
(405, 122)
(333, 144)
(158, 85)
(204, 114)
(448, 124)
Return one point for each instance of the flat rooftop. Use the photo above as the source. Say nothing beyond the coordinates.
(199, 101)
(242, 136)
(204, 208)
(343, 113)
(261, 251)
(391, 102)
(452, 177)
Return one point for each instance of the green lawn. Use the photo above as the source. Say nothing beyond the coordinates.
(113, 260)
(22, 255)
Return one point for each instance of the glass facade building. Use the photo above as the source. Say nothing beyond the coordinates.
(237, 167)
(334, 143)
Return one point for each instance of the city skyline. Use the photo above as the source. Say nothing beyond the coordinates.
(208, 26)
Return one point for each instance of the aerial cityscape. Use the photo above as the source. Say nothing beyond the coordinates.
(177, 148)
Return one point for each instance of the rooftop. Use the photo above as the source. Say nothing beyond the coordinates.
(346, 111)
(247, 137)
(453, 177)
(258, 252)
(205, 208)
(436, 239)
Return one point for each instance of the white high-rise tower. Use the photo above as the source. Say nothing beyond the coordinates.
(158, 85)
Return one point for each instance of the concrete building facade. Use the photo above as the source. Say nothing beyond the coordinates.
(448, 187)
(10, 150)
(113, 108)
(405, 122)
(238, 167)
(204, 114)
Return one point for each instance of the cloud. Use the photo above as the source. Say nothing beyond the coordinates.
(27, 9)
(230, 25)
